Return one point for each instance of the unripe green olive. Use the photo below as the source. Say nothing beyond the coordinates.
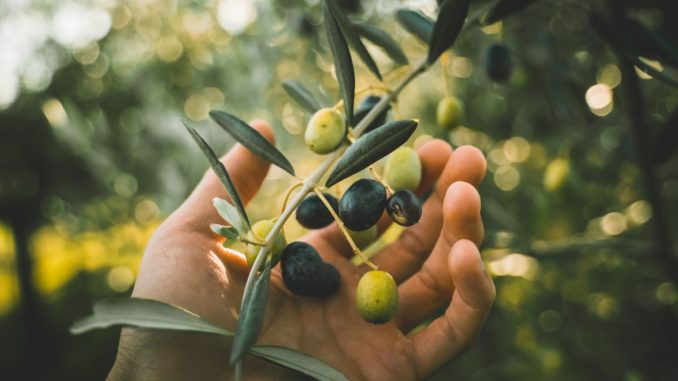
(258, 234)
(325, 131)
(403, 169)
(556, 172)
(449, 113)
(364, 238)
(377, 296)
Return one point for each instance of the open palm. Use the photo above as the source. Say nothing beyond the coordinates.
(434, 262)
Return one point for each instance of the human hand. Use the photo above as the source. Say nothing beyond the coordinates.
(434, 262)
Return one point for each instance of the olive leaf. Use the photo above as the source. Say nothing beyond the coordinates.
(228, 232)
(229, 213)
(416, 23)
(251, 317)
(371, 147)
(301, 95)
(643, 42)
(351, 35)
(630, 51)
(343, 65)
(144, 313)
(298, 361)
(383, 40)
(505, 8)
(222, 174)
(652, 71)
(252, 139)
(153, 314)
(451, 17)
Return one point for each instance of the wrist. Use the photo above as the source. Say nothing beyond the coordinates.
(162, 355)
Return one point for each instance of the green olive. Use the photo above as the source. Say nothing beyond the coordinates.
(449, 113)
(403, 169)
(258, 234)
(556, 172)
(365, 237)
(377, 297)
(325, 131)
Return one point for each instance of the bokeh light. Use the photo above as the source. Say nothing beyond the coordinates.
(599, 99)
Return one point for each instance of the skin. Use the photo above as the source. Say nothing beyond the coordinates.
(434, 262)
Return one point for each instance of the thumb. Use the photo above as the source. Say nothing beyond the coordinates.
(246, 170)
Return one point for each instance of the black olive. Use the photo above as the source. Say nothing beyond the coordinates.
(312, 212)
(404, 207)
(363, 204)
(498, 63)
(364, 107)
(305, 273)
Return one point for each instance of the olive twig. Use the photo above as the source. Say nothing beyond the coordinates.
(250, 242)
(376, 176)
(340, 223)
(350, 136)
(382, 88)
(289, 192)
(397, 71)
(338, 106)
(311, 181)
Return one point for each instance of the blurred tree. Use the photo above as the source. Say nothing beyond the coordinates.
(574, 238)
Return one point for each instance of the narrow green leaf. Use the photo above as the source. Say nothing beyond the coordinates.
(351, 36)
(343, 65)
(156, 315)
(301, 95)
(505, 8)
(383, 40)
(451, 17)
(229, 213)
(635, 38)
(416, 23)
(228, 232)
(144, 313)
(371, 147)
(652, 71)
(252, 139)
(252, 315)
(617, 42)
(301, 362)
(222, 174)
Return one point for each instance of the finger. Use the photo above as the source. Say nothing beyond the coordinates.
(429, 288)
(246, 170)
(452, 333)
(433, 156)
(405, 256)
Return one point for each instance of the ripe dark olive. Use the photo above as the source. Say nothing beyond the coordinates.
(498, 63)
(312, 212)
(305, 273)
(362, 204)
(404, 207)
(364, 107)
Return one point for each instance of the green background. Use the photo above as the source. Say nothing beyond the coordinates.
(579, 202)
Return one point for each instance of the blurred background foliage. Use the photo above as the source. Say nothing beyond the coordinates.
(579, 202)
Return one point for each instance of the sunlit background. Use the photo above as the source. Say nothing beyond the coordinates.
(93, 157)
